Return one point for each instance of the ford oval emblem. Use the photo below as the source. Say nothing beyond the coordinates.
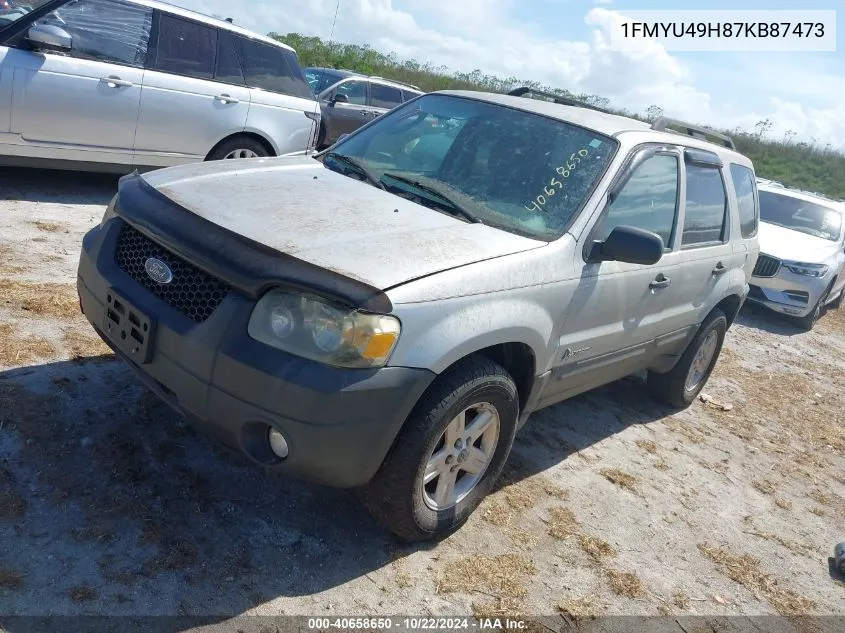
(158, 271)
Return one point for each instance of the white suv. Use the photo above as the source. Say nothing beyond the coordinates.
(138, 83)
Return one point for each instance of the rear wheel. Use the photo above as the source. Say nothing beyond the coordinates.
(680, 386)
(449, 454)
(239, 147)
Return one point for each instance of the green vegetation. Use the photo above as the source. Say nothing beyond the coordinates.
(804, 165)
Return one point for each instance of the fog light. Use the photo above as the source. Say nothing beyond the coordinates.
(278, 443)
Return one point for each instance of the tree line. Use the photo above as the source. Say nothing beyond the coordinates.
(813, 166)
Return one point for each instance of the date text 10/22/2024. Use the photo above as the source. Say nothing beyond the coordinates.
(417, 624)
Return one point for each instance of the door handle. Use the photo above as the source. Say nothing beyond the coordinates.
(720, 269)
(224, 98)
(661, 281)
(116, 82)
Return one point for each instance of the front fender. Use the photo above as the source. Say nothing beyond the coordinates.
(436, 334)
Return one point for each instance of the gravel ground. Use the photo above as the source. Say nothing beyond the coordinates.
(611, 504)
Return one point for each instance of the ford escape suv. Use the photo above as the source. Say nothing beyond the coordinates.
(112, 85)
(386, 314)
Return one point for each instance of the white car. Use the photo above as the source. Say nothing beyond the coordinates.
(119, 85)
(801, 267)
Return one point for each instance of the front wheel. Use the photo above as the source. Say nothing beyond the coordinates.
(449, 454)
(808, 322)
(680, 386)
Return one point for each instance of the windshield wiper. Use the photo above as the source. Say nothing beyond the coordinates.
(442, 198)
(358, 167)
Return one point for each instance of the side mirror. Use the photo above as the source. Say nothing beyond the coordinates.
(49, 37)
(340, 98)
(629, 244)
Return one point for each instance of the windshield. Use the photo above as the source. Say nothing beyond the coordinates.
(511, 169)
(13, 10)
(800, 215)
(319, 80)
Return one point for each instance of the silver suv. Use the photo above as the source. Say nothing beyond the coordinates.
(387, 314)
(117, 84)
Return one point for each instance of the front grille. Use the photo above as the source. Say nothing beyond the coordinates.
(193, 292)
(766, 266)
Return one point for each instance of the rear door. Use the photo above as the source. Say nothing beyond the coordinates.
(193, 94)
(82, 105)
(283, 107)
(709, 263)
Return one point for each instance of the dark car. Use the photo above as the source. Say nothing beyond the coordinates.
(348, 99)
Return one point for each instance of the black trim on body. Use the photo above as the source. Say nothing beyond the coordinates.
(249, 266)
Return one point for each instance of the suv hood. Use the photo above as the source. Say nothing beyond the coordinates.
(795, 246)
(296, 206)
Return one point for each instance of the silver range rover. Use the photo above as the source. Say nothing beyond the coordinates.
(801, 267)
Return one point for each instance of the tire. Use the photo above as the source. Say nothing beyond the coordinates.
(239, 144)
(673, 387)
(397, 497)
(808, 322)
(321, 137)
(837, 303)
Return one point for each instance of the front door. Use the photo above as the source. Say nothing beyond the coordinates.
(348, 117)
(85, 101)
(615, 314)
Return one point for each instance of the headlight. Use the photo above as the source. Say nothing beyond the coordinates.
(110, 213)
(318, 330)
(811, 270)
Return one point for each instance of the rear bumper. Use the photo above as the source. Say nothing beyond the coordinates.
(339, 423)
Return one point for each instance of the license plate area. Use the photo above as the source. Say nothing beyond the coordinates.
(128, 328)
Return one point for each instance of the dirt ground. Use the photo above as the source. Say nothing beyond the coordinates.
(611, 504)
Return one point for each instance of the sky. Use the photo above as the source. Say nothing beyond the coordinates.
(566, 44)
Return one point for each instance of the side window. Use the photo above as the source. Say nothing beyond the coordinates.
(355, 91)
(407, 96)
(273, 68)
(186, 48)
(105, 30)
(706, 206)
(649, 200)
(382, 96)
(228, 64)
(745, 186)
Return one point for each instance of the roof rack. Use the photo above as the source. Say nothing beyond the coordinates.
(665, 124)
(394, 81)
(525, 90)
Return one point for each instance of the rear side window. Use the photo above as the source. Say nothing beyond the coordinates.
(382, 96)
(186, 48)
(273, 69)
(228, 64)
(649, 200)
(706, 204)
(104, 30)
(745, 186)
(407, 96)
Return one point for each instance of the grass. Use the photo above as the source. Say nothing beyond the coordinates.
(83, 345)
(579, 608)
(783, 504)
(502, 575)
(562, 523)
(624, 583)
(597, 549)
(620, 478)
(43, 299)
(765, 486)
(745, 570)
(16, 349)
(497, 513)
(11, 579)
(49, 227)
(647, 445)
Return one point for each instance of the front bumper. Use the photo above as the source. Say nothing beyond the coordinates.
(788, 293)
(339, 423)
